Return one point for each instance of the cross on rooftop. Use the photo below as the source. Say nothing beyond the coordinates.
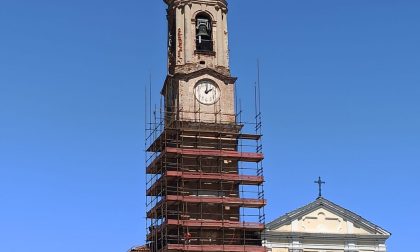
(319, 182)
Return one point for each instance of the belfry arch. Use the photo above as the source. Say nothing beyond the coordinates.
(203, 32)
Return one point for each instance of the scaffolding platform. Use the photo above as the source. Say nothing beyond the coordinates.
(226, 201)
(168, 152)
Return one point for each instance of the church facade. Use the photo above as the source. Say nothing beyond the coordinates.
(323, 226)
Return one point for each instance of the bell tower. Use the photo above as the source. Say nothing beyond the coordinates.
(204, 174)
(199, 85)
(198, 35)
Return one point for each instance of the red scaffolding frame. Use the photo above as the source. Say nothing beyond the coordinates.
(204, 184)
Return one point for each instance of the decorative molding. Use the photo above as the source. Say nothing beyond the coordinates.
(222, 4)
(283, 232)
(223, 75)
(330, 206)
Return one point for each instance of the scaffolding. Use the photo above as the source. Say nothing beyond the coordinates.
(204, 182)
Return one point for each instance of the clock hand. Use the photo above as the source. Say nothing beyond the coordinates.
(207, 91)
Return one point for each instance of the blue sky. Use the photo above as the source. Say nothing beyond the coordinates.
(340, 88)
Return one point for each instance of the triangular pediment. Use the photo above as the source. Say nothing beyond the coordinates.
(323, 216)
(227, 79)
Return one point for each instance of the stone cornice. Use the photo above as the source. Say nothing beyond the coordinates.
(273, 236)
(227, 79)
(180, 3)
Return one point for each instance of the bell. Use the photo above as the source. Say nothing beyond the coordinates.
(202, 31)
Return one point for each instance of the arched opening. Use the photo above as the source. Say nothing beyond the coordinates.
(203, 33)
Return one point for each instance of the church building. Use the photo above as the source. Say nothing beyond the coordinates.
(204, 172)
(323, 226)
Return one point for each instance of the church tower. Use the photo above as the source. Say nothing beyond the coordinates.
(204, 175)
(198, 62)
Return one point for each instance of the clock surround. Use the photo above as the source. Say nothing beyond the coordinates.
(207, 92)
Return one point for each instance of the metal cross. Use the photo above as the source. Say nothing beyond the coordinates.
(319, 182)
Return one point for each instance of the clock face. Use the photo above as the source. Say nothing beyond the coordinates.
(206, 92)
